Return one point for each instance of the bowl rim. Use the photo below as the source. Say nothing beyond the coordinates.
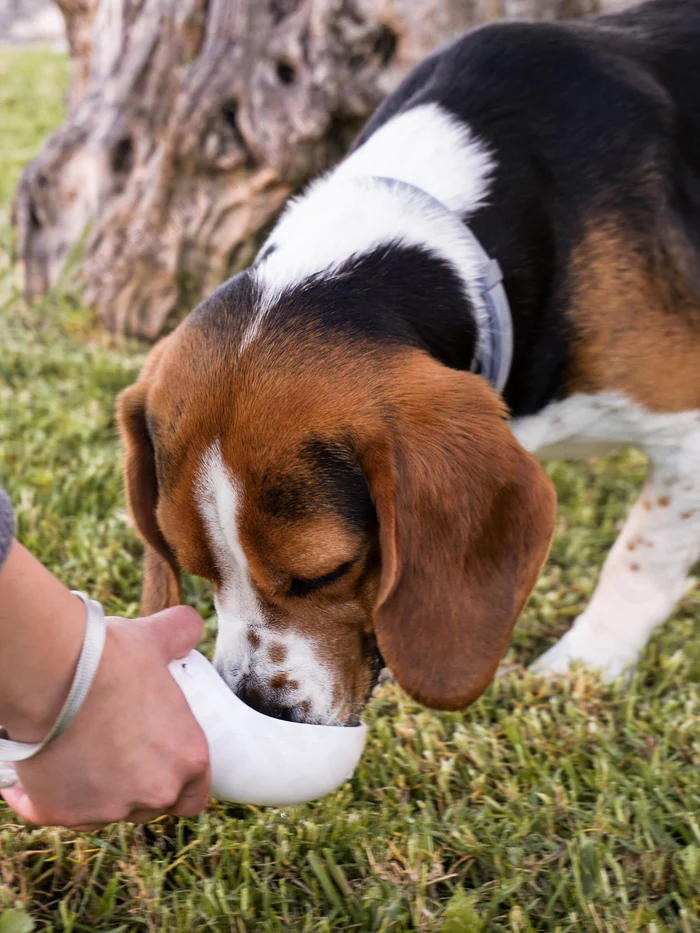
(317, 728)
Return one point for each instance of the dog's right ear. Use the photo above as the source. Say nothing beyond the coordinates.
(161, 577)
(466, 517)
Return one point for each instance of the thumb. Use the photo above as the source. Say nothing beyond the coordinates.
(176, 631)
(16, 797)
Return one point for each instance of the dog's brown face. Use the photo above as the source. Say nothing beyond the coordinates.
(345, 501)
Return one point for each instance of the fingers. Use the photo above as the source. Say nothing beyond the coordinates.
(17, 798)
(194, 796)
(177, 631)
(173, 754)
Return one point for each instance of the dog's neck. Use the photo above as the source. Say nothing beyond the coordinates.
(406, 251)
(494, 343)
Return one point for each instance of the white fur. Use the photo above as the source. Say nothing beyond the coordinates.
(239, 610)
(645, 573)
(347, 213)
(429, 148)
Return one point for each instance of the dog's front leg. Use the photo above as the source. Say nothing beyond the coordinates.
(646, 571)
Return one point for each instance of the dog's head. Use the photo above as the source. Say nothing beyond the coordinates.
(348, 501)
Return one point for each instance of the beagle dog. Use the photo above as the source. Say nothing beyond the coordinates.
(345, 438)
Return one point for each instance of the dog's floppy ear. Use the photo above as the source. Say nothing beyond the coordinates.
(466, 520)
(161, 579)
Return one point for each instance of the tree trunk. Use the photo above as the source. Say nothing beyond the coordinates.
(190, 123)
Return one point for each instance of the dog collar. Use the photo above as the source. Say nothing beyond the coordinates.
(494, 356)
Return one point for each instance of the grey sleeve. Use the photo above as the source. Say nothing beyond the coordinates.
(7, 526)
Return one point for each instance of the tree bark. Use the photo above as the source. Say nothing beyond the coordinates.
(190, 122)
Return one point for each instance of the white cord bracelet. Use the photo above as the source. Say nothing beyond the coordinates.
(88, 663)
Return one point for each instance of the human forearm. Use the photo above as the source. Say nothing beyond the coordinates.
(134, 749)
(41, 634)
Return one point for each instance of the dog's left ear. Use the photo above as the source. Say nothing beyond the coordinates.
(161, 577)
(466, 519)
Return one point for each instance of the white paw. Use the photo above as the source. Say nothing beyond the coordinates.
(598, 650)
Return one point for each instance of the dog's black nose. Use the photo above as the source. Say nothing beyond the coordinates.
(265, 704)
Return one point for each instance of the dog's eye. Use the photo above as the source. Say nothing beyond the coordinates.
(300, 587)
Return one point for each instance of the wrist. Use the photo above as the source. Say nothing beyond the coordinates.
(42, 627)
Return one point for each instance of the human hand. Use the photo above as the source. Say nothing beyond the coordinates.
(134, 750)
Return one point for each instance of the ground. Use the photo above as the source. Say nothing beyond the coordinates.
(545, 807)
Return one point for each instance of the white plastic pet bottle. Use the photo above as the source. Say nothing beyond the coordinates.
(260, 760)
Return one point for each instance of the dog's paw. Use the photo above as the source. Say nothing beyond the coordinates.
(599, 651)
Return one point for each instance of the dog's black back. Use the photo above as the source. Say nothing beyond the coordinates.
(586, 119)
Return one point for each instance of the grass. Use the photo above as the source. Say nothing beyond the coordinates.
(33, 82)
(546, 807)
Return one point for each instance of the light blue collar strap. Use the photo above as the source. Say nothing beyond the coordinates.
(496, 344)
(495, 340)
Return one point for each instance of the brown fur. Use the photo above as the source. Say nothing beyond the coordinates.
(465, 514)
(636, 315)
(466, 519)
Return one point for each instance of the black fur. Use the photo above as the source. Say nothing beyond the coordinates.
(336, 483)
(582, 118)
(338, 476)
(227, 312)
(388, 296)
(585, 119)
